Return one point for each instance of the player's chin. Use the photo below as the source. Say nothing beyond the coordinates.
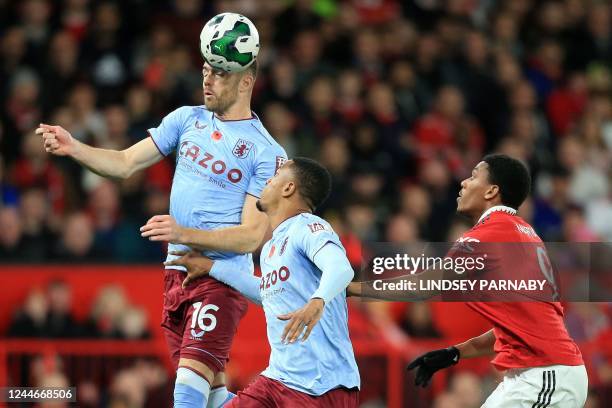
(460, 206)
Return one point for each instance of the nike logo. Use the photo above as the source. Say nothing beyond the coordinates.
(198, 126)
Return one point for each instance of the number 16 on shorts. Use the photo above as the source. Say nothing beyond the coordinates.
(202, 319)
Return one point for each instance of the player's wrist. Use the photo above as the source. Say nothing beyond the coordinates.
(74, 148)
(318, 301)
(181, 235)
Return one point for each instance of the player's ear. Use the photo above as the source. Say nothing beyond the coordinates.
(246, 82)
(492, 192)
(288, 189)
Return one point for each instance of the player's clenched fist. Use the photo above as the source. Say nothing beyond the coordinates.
(429, 363)
(56, 139)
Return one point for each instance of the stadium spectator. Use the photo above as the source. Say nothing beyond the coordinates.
(60, 322)
(12, 232)
(76, 240)
(31, 320)
(8, 194)
(37, 236)
(466, 387)
(108, 306)
(417, 321)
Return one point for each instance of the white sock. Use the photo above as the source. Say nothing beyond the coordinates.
(219, 397)
(190, 390)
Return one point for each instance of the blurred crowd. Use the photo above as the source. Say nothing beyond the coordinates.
(49, 313)
(399, 99)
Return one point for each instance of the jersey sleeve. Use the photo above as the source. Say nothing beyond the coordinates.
(265, 168)
(167, 134)
(314, 236)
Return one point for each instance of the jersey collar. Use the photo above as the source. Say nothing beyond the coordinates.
(503, 208)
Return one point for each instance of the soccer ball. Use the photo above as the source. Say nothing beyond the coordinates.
(229, 42)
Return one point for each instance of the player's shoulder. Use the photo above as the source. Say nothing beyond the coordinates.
(265, 141)
(501, 227)
(191, 110)
(311, 224)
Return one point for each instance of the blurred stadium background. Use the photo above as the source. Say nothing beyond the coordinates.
(399, 99)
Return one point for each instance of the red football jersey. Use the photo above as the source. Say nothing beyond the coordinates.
(528, 334)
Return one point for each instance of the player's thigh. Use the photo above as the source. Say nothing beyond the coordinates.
(571, 387)
(211, 317)
(260, 393)
(340, 398)
(554, 386)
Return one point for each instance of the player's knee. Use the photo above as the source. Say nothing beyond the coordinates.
(208, 372)
(190, 390)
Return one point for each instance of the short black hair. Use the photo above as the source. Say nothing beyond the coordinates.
(313, 181)
(512, 177)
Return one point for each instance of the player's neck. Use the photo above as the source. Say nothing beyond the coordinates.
(477, 217)
(284, 213)
(236, 112)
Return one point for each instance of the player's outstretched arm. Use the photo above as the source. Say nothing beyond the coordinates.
(429, 363)
(379, 289)
(106, 163)
(478, 346)
(243, 238)
(226, 271)
(197, 265)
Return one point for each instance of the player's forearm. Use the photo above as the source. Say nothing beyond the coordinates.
(478, 346)
(238, 279)
(104, 162)
(241, 239)
(385, 289)
(336, 272)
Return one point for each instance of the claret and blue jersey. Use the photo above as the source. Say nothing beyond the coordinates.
(288, 280)
(217, 163)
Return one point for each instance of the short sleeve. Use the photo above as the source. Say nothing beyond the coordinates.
(265, 169)
(315, 235)
(167, 134)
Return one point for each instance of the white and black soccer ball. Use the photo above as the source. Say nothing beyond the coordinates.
(230, 42)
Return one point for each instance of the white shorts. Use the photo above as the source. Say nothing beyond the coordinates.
(539, 387)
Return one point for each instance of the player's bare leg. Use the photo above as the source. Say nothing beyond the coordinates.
(193, 383)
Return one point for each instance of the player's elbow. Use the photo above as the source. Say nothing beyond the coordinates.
(126, 166)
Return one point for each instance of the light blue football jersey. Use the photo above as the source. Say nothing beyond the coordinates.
(289, 278)
(217, 163)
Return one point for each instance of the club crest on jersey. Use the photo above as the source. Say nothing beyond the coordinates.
(242, 148)
(283, 246)
(280, 160)
(271, 253)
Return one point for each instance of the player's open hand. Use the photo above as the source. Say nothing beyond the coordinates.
(56, 139)
(306, 317)
(162, 228)
(429, 363)
(196, 265)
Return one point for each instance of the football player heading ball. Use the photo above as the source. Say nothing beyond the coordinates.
(224, 158)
